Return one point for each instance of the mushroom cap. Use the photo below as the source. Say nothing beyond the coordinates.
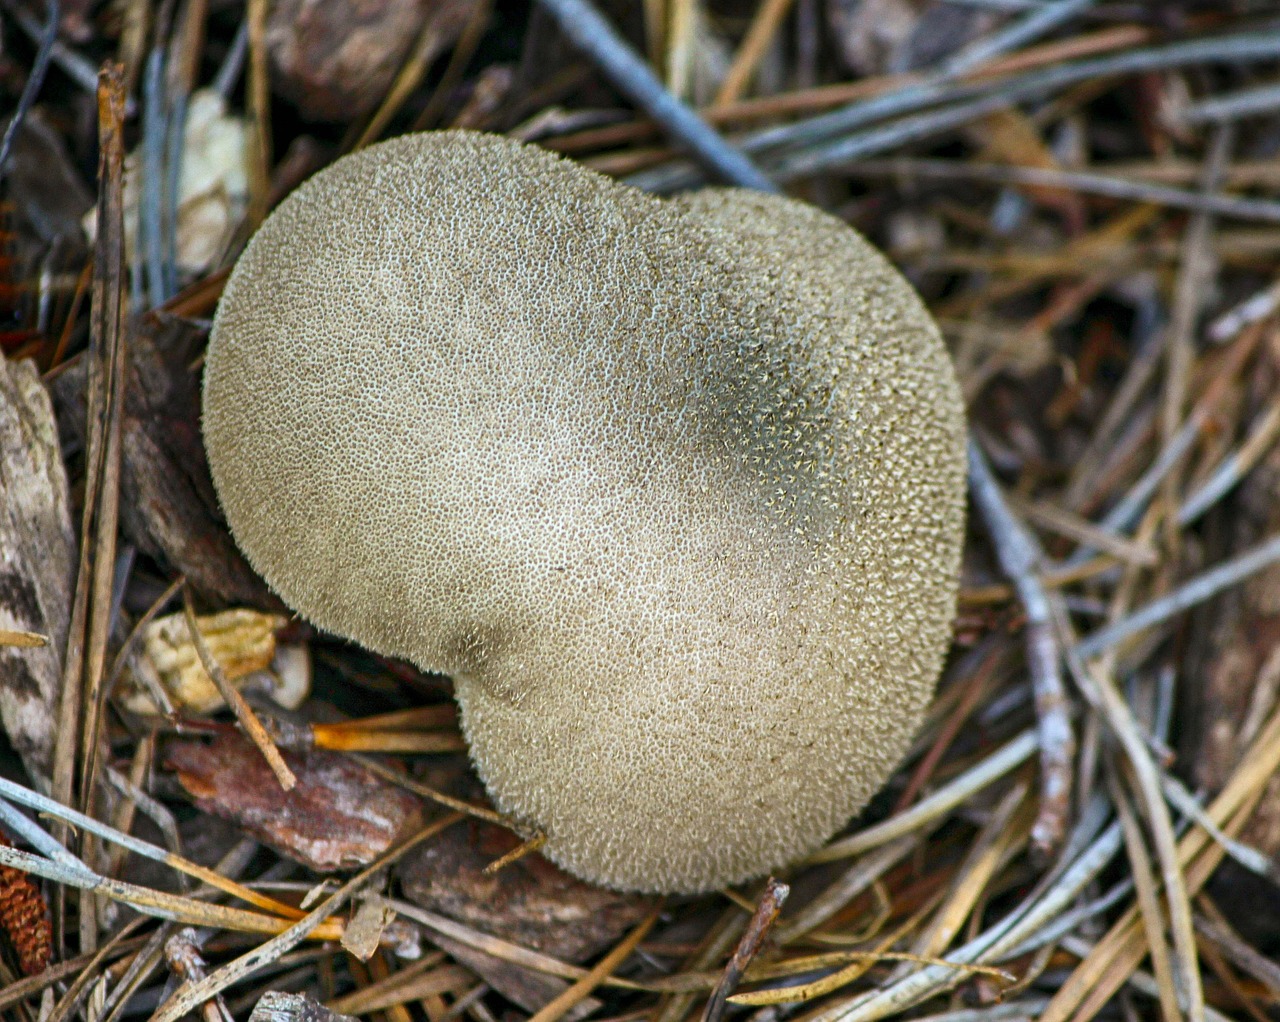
(672, 488)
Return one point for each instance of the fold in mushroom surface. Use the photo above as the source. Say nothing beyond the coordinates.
(673, 489)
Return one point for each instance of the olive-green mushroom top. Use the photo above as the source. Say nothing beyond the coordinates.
(672, 489)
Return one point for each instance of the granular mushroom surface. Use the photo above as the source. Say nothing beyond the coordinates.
(672, 488)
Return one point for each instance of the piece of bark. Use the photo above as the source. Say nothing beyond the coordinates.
(168, 507)
(335, 59)
(529, 902)
(274, 1006)
(339, 816)
(37, 563)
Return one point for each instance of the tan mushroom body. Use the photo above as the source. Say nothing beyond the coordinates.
(672, 489)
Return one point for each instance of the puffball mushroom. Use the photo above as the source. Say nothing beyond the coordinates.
(673, 489)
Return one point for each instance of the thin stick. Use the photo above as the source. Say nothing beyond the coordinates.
(583, 24)
(1262, 99)
(1195, 591)
(516, 854)
(1019, 557)
(762, 920)
(946, 798)
(231, 696)
(1234, 467)
(1107, 185)
(764, 26)
(44, 52)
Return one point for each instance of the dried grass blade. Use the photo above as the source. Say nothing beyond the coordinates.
(439, 797)
(354, 1002)
(19, 990)
(1234, 467)
(557, 1007)
(1194, 591)
(107, 369)
(156, 903)
(413, 719)
(811, 991)
(194, 994)
(1117, 955)
(715, 945)
(856, 879)
(992, 946)
(1125, 727)
(375, 997)
(41, 804)
(22, 640)
(764, 26)
(516, 854)
(1153, 921)
(1012, 754)
(539, 962)
(79, 986)
(1000, 833)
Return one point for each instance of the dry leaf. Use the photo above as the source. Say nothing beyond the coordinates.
(362, 935)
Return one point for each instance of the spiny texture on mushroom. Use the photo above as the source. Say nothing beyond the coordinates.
(672, 489)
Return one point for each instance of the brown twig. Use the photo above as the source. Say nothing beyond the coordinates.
(231, 696)
(753, 938)
(528, 847)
